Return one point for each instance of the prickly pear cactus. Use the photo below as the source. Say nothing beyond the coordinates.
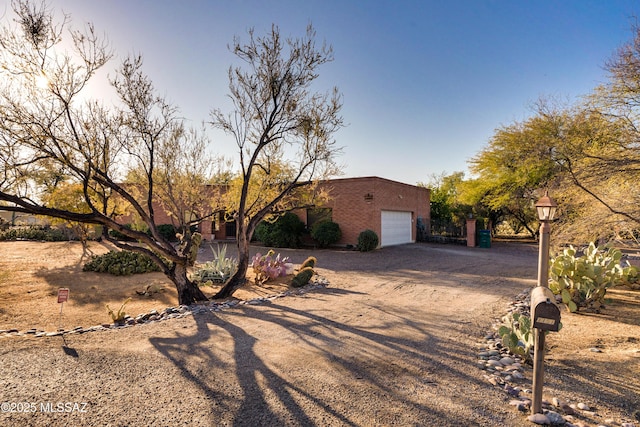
(582, 281)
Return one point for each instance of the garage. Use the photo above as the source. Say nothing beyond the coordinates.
(396, 228)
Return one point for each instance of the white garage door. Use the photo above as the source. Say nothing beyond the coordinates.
(396, 228)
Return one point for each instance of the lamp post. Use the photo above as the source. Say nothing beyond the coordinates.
(546, 208)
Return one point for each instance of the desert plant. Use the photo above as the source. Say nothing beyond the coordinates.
(268, 267)
(517, 334)
(326, 233)
(168, 231)
(582, 281)
(219, 270)
(303, 277)
(121, 263)
(284, 232)
(309, 262)
(39, 233)
(118, 317)
(367, 241)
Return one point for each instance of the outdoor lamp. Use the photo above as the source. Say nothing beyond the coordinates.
(546, 207)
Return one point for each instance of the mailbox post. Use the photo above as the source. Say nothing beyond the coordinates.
(545, 314)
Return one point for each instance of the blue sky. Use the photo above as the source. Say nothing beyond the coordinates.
(425, 83)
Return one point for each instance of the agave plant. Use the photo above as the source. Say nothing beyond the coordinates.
(219, 270)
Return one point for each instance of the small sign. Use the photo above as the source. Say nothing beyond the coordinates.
(63, 295)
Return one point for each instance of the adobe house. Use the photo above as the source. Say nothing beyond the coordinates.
(390, 208)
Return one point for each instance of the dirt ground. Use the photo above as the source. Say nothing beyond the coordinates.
(391, 341)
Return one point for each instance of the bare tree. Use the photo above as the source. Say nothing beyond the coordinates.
(283, 130)
(50, 132)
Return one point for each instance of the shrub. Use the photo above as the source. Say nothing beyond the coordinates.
(285, 232)
(262, 232)
(217, 271)
(168, 231)
(121, 263)
(367, 241)
(268, 267)
(39, 233)
(326, 233)
(582, 281)
(303, 277)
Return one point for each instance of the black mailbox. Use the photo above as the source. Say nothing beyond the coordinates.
(545, 313)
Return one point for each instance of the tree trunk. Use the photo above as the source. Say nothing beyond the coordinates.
(188, 292)
(240, 277)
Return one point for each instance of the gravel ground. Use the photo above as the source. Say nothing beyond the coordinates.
(391, 341)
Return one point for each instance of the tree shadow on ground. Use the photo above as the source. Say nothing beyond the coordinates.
(315, 370)
(564, 376)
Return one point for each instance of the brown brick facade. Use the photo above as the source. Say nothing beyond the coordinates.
(357, 204)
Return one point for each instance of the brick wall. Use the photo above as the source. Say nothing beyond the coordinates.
(357, 203)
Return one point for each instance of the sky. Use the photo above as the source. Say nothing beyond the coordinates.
(425, 83)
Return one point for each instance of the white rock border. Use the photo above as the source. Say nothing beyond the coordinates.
(507, 372)
(153, 316)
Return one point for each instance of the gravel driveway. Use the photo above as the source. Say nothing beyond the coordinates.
(391, 341)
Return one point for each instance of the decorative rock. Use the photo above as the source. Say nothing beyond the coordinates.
(507, 361)
(583, 406)
(538, 419)
(555, 418)
(522, 406)
(512, 391)
(567, 409)
(517, 376)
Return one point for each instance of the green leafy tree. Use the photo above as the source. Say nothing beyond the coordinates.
(586, 154)
(447, 210)
(519, 160)
(283, 130)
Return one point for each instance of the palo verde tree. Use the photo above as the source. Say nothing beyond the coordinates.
(579, 154)
(283, 129)
(519, 160)
(51, 133)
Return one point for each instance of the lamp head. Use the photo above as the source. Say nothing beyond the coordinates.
(546, 207)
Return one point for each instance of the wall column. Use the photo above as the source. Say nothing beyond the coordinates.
(471, 232)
